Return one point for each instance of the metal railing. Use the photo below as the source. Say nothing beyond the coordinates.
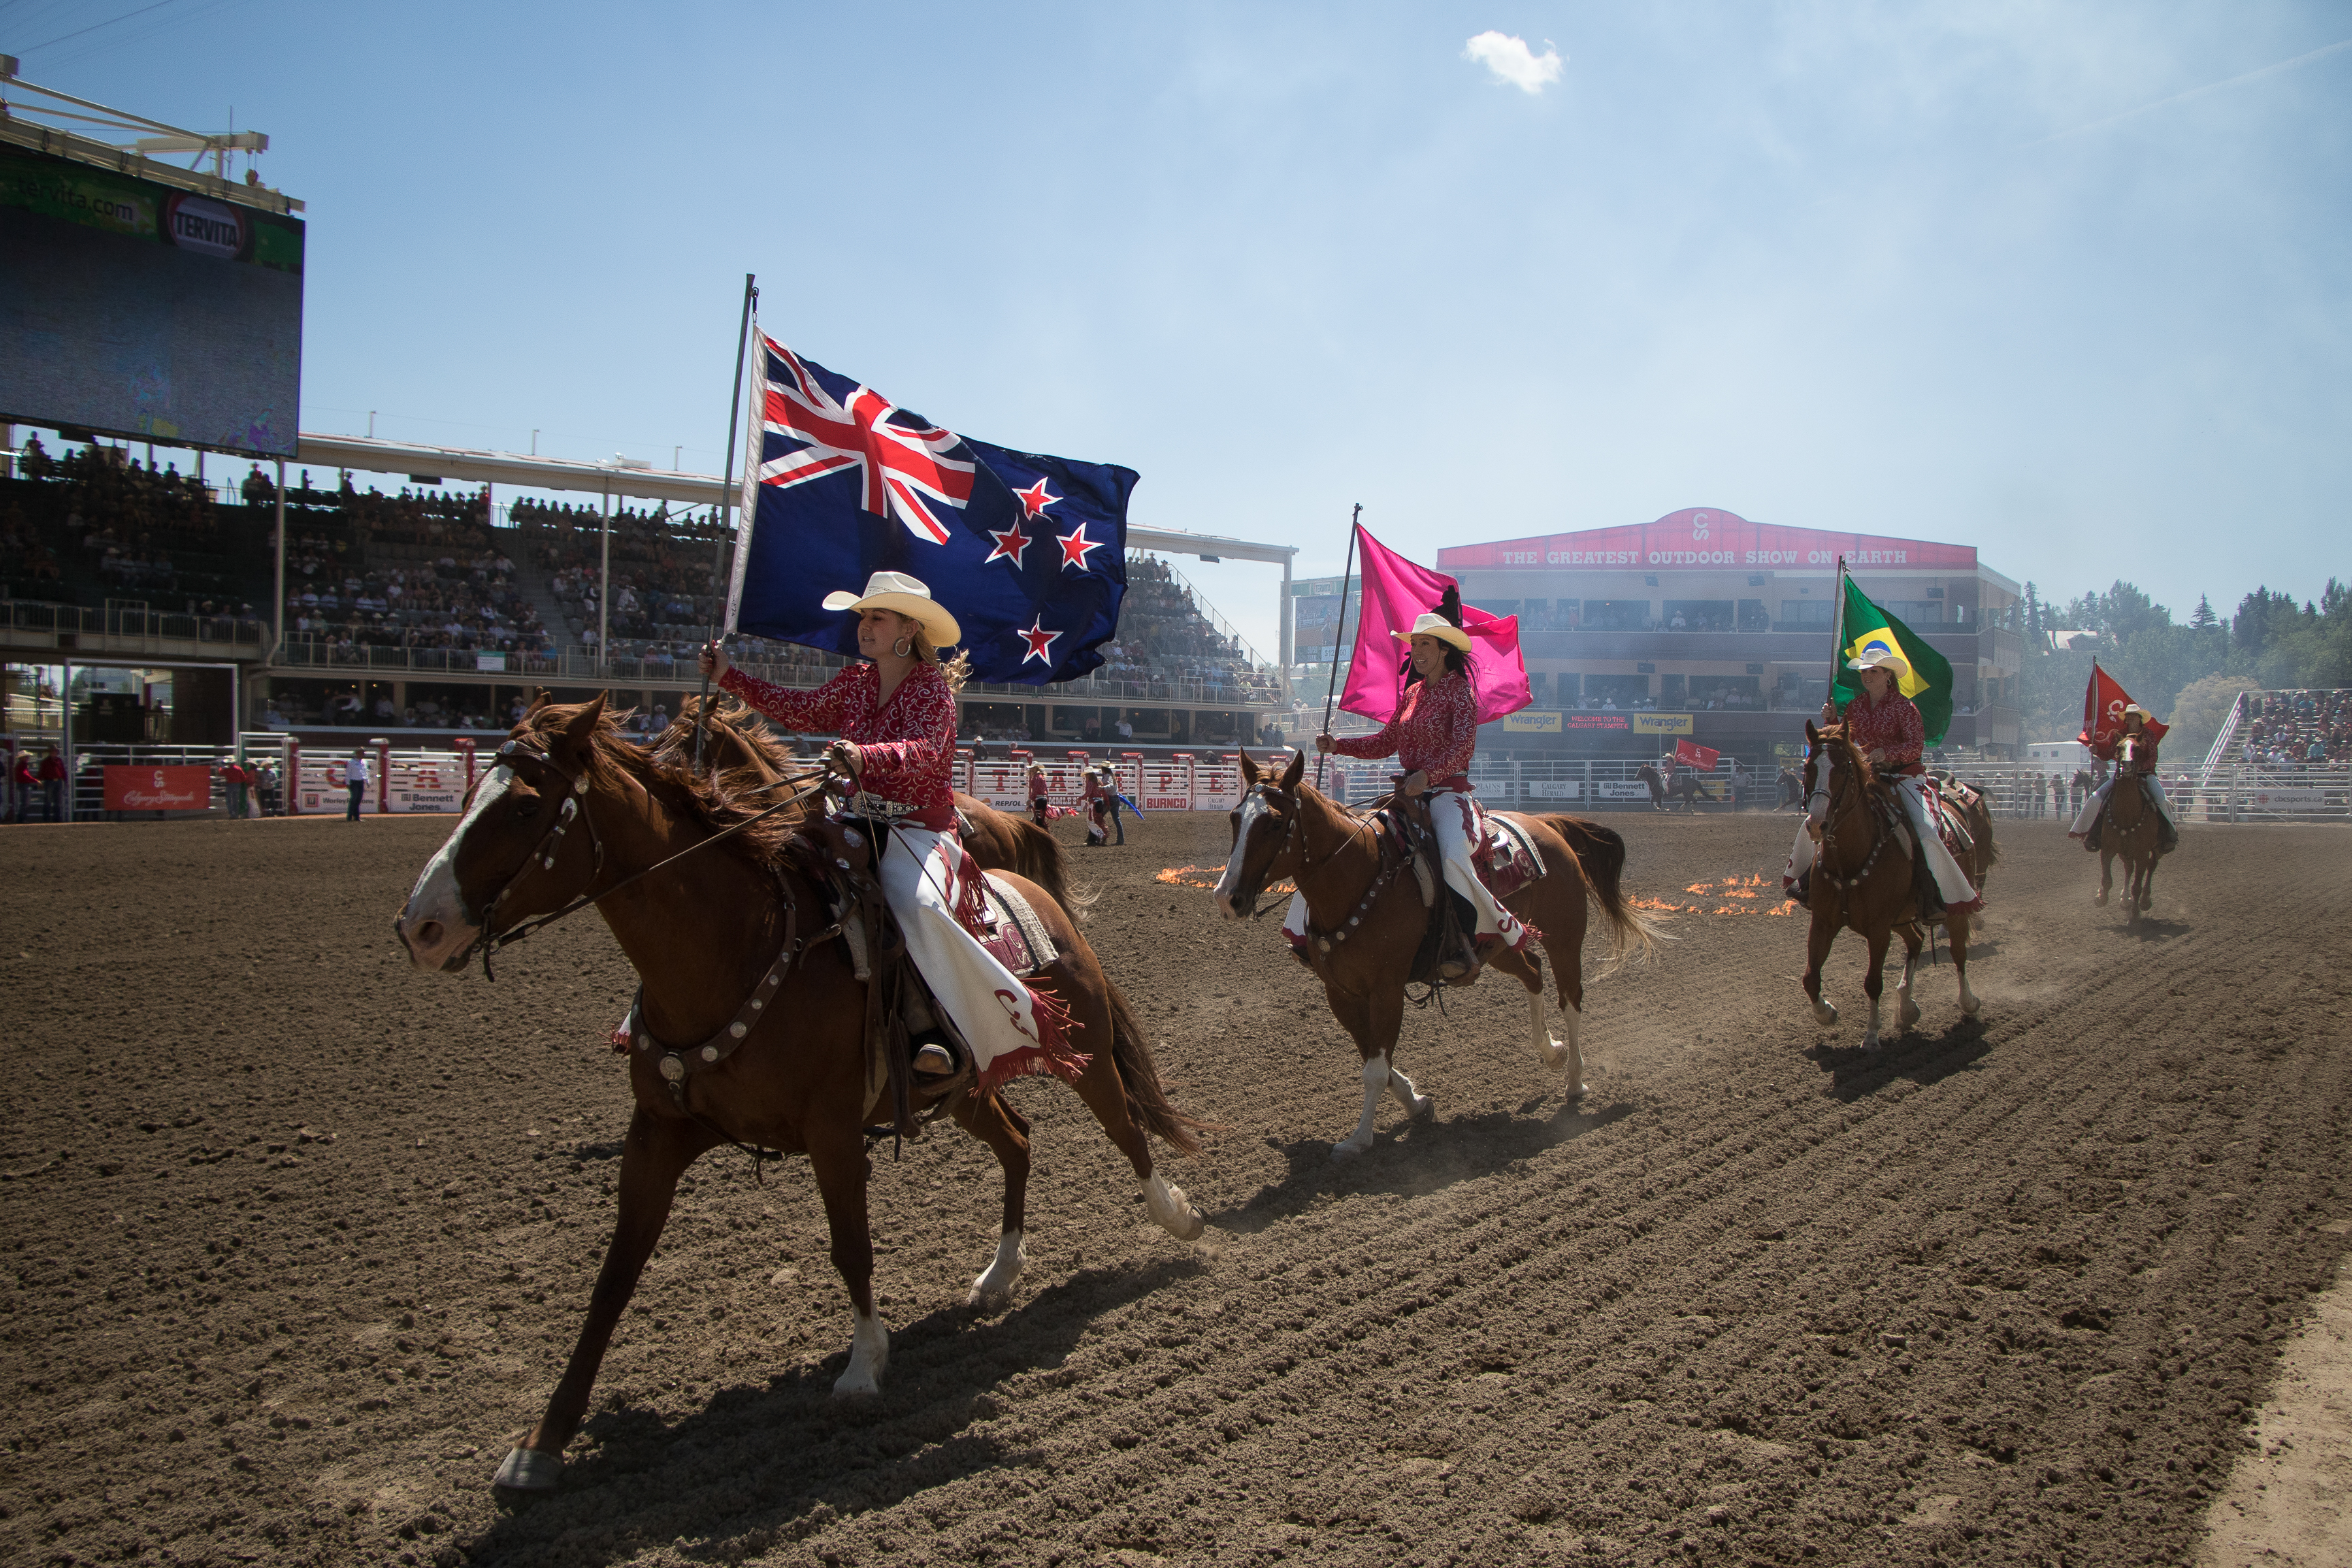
(133, 621)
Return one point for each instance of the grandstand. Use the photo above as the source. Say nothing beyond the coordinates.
(436, 607)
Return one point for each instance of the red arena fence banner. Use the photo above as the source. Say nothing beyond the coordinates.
(159, 789)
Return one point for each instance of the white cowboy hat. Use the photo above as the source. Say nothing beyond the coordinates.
(1879, 656)
(2132, 708)
(907, 595)
(1433, 625)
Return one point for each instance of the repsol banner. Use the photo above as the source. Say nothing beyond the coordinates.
(1001, 784)
(159, 789)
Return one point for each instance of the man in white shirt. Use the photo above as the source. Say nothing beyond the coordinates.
(355, 779)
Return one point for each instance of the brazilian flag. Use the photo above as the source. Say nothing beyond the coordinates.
(1926, 678)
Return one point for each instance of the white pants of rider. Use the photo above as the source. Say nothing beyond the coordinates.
(2090, 813)
(1951, 882)
(990, 1006)
(1450, 814)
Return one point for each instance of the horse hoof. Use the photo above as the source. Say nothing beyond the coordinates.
(2100, 899)
(1190, 1227)
(1870, 1042)
(1970, 1005)
(1910, 1013)
(1825, 1013)
(529, 1470)
(856, 1383)
(1579, 1092)
(1425, 1107)
(1348, 1149)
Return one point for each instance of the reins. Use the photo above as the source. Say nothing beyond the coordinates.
(1859, 799)
(576, 803)
(1298, 832)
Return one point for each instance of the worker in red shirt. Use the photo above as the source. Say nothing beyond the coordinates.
(52, 775)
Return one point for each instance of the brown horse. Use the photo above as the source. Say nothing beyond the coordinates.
(2129, 827)
(570, 809)
(1861, 879)
(1363, 932)
(997, 840)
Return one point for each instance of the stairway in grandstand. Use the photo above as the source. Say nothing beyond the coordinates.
(562, 621)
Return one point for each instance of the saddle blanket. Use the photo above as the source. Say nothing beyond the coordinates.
(1947, 802)
(1012, 932)
(1506, 854)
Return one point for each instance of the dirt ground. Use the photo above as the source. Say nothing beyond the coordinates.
(296, 1241)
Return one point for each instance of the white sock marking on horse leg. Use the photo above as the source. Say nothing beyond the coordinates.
(1416, 1104)
(1870, 1025)
(1170, 1209)
(869, 1352)
(1906, 1012)
(1375, 1078)
(1549, 1052)
(1969, 1000)
(1571, 1052)
(995, 1282)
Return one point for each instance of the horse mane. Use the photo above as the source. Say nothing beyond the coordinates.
(739, 719)
(727, 797)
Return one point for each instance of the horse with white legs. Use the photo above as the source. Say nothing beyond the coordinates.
(1863, 880)
(751, 1024)
(1367, 918)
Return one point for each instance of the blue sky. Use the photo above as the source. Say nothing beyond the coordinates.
(1995, 273)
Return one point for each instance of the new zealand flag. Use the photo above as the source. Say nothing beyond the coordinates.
(1029, 552)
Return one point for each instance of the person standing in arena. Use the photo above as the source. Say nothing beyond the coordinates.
(53, 784)
(895, 714)
(1115, 800)
(1041, 805)
(355, 779)
(19, 798)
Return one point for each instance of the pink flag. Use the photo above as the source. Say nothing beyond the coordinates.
(1397, 591)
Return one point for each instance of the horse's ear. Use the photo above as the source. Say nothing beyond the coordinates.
(539, 700)
(1249, 769)
(1812, 736)
(580, 730)
(1297, 768)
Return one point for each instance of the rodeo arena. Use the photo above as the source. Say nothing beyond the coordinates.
(1607, 1046)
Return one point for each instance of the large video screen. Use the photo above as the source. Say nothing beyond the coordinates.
(130, 308)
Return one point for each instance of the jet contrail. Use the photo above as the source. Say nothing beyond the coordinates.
(2192, 92)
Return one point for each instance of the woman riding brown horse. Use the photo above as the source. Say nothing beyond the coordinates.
(1365, 920)
(1863, 879)
(571, 811)
(2130, 825)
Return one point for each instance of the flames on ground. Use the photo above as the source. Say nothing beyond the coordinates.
(1206, 876)
(1757, 897)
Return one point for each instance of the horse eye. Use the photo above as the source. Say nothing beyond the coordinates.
(526, 809)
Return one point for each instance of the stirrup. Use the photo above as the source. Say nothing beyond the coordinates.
(934, 1060)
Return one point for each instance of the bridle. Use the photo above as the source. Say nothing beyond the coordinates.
(1295, 834)
(550, 839)
(1856, 799)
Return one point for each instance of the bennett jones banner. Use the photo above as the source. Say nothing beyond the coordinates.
(159, 789)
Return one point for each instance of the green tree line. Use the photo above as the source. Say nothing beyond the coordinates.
(2184, 672)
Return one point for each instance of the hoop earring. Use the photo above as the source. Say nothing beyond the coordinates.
(903, 646)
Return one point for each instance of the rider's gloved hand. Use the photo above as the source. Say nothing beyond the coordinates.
(843, 758)
(714, 660)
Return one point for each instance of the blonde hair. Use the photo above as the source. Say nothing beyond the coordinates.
(957, 669)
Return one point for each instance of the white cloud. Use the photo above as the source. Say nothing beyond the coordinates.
(1512, 61)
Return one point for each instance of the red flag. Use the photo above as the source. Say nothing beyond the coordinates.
(2103, 714)
(1691, 755)
(1395, 592)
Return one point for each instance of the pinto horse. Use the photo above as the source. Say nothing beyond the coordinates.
(2130, 828)
(1363, 930)
(1861, 879)
(571, 810)
(996, 840)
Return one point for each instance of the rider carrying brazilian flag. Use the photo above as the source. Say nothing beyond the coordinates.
(1898, 695)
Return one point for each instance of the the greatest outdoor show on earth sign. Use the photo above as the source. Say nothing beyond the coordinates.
(1701, 537)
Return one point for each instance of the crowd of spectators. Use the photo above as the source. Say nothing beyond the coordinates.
(662, 606)
(1165, 636)
(470, 604)
(2282, 728)
(102, 524)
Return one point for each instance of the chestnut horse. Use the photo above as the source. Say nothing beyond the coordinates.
(1362, 933)
(997, 840)
(2130, 828)
(573, 810)
(1861, 879)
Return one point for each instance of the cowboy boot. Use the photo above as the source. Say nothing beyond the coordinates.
(1931, 898)
(2091, 839)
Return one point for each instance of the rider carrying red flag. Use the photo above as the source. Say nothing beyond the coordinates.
(1433, 735)
(897, 717)
(2143, 763)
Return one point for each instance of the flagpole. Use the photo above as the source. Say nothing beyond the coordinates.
(1837, 636)
(727, 502)
(1337, 636)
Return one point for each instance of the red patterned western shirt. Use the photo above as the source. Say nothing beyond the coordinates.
(1892, 727)
(906, 746)
(1435, 732)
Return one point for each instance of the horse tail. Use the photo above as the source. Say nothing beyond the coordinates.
(1600, 860)
(1148, 1105)
(1038, 856)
